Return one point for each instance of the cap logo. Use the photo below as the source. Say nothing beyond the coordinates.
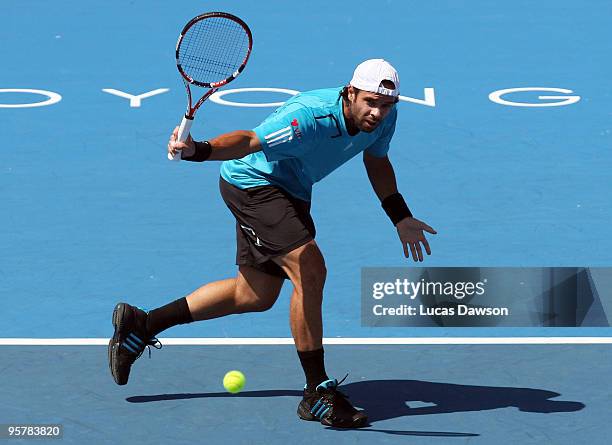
(386, 91)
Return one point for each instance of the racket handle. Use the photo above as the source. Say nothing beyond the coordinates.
(183, 133)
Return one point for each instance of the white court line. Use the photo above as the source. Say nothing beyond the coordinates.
(327, 341)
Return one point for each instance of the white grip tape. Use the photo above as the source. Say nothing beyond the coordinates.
(184, 129)
(183, 132)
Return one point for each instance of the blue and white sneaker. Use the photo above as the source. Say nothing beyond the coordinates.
(330, 407)
(129, 340)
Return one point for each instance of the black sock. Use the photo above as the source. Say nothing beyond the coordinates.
(167, 316)
(314, 367)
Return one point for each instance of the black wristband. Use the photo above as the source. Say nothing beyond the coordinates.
(396, 208)
(202, 152)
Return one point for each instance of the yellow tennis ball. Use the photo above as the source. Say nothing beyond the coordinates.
(234, 381)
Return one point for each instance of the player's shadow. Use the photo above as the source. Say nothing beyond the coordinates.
(389, 399)
(386, 399)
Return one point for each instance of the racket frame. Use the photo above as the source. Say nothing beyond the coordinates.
(214, 86)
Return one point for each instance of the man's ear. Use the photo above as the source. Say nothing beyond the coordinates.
(351, 93)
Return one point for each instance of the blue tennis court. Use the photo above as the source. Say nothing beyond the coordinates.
(94, 213)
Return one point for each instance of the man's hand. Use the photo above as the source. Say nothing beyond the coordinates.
(410, 231)
(187, 147)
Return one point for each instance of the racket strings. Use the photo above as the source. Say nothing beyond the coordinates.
(213, 49)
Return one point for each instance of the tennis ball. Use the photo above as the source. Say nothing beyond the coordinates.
(234, 381)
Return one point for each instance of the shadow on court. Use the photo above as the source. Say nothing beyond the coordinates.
(388, 399)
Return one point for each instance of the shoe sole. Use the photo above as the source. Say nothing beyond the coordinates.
(305, 414)
(114, 343)
(360, 422)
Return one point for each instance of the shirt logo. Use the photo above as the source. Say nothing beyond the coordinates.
(296, 129)
(279, 137)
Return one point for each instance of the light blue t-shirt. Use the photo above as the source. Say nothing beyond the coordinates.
(302, 142)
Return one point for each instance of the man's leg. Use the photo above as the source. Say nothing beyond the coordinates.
(252, 290)
(305, 266)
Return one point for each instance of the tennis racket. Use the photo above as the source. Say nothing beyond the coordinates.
(212, 50)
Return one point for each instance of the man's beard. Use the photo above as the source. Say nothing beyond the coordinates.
(368, 129)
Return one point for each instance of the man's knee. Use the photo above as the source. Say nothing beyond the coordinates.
(249, 301)
(256, 291)
(310, 270)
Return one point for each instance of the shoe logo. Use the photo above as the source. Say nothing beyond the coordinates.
(133, 344)
(320, 409)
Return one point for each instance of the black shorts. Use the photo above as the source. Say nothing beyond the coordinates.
(269, 222)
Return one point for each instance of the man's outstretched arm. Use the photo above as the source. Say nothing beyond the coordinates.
(409, 229)
(381, 175)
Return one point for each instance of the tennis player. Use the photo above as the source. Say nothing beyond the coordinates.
(266, 181)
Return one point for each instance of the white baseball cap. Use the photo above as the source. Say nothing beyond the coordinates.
(369, 74)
